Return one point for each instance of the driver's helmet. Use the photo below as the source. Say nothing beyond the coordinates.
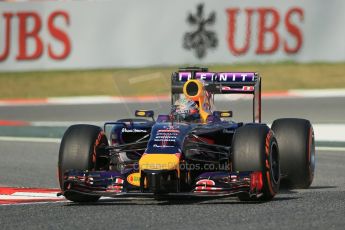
(185, 110)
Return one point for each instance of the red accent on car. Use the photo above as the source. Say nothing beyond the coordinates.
(256, 182)
(206, 182)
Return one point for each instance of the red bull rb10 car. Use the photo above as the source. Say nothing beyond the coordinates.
(191, 150)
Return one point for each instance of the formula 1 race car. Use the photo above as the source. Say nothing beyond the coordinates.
(192, 150)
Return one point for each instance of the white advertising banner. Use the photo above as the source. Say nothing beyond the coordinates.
(130, 33)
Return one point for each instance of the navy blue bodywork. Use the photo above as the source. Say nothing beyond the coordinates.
(219, 180)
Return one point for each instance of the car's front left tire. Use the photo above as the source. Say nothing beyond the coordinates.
(78, 150)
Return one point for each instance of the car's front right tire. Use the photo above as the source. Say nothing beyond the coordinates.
(255, 148)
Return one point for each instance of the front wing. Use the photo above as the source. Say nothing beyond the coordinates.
(115, 184)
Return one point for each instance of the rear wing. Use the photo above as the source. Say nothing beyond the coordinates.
(221, 83)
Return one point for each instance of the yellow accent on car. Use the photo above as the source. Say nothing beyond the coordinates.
(225, 114)
(200, 92)
(134, 179)
(141, 113)
(159, 162)
(199, 97)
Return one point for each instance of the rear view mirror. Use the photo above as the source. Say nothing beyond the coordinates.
(144, 113)
(222, 114)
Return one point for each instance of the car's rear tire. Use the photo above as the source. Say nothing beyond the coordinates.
(254, 148)
(297, 151)
(78, 150)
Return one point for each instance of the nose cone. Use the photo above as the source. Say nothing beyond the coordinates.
(159, 173)
(159, 162)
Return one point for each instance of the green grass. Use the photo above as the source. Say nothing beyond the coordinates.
(156, 81)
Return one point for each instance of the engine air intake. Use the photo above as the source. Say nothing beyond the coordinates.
(192, 89)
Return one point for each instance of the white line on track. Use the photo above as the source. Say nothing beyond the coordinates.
(29, 195)
(31, 139)
(329, 132)
(318, 93)
(38, 197)
(326, 148)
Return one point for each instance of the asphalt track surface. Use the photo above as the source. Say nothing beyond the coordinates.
(34, 164)
(317, 110)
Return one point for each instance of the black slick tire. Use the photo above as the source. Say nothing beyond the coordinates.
(254, 148)
(297, 151)
(78, 150)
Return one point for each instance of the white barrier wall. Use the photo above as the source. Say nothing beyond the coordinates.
(131, 33)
